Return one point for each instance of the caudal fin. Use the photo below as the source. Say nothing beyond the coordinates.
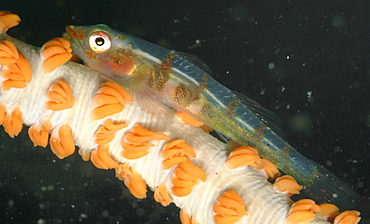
(327, 188)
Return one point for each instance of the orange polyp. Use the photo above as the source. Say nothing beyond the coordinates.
(328, 212)
(98, 163)
(12, 72)
(177, 147)
(56, 97)
(140, 134)
(85, 155)
(185, 217)
(111, 92)
(101, 112)
(103, 152)
(55, 53)
(190, 167)
(135, 147)
(219, 219)
(186, 177)
(175, 152)
(243, 156)
(47, 52)
(10, 48)
(8, 53)
(66, 137)
(50, 64)
(181, 191)
(25, 68)
(269, 169)
(183, 183)
(124, 96)
(300, 217)
(6, 61)
(59, 96)
(226, 211)
(123, 171)
(101, 99)
(232, 194)
(229, 208)
(39, 134)
(13, 122)
(57, 148)
(168, 163)
(109, 100)
(305, 204)
(55, 106)
(136, 137)
(135, 184)
(302, 211)
(2, 113)
(61, 141)
(16, 69)
(172, 152)
(243, 150)
(106, 132)
(182, 174)
(162, 196)
(173, 143)
(111, 125)
(55, 46)
(104, 136)
(135, 142)
(187, 119)
(348, 217)
(102, 159)
(59, 41)
(134, 155)
(229, 201)
(8, 84)
(242, 161)
(8, 20)
(287, 185)
(62, 88)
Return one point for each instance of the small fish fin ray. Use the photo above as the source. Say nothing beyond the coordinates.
(327, 188)
(196, 62)
(221, 136)
(271, 119)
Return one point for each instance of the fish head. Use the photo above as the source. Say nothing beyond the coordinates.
(103, 49)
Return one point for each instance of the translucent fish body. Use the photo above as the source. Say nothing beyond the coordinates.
(183, 83)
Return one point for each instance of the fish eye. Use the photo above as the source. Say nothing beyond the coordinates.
(99, 42)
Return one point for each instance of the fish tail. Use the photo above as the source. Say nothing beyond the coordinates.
(325, 187)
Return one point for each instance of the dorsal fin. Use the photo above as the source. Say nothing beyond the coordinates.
(196, 61)
(268, 117)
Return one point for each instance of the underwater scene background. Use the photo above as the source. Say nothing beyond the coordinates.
(307, 62)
